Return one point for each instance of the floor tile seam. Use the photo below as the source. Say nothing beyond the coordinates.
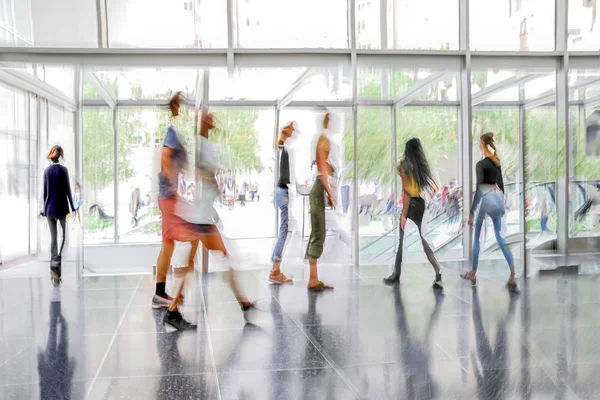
(322, 352)
(112, 341)
(142, 376)
(17, 354)
(37, 382)
(530, 347)
(293, 369)
(210, 342)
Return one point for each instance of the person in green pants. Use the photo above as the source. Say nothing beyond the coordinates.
(317, 209)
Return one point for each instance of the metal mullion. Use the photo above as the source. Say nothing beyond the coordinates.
(102, 22)
(78, 96)
(522, 178)
(276, 175)
(463, 25)
(30, 216)
(383, 23)
(394, 161)
(562, 177)
(466, 152)
(354, 66)
(116, 175)
(562, 125)
(230, 55)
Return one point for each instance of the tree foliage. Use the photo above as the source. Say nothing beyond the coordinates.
(237, 137)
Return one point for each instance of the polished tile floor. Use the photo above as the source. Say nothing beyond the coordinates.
(98, 338)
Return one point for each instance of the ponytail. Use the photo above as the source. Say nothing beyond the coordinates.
(488, 140)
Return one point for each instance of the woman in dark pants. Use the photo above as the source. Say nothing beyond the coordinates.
(57, 199)
(416, 178)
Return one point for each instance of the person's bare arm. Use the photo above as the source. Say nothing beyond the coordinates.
(405, 198)
(323, 170)
(166, 162)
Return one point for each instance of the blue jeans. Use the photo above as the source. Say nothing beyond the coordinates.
(282, 200)
(492, 204)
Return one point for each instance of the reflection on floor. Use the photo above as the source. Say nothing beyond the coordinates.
(97, 338)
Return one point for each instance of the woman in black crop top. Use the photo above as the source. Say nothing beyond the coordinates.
(489, 198)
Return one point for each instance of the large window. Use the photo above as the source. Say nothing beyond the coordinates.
(167, 24)
(508, 25)
(437, 129)
(290, 23)
(376, 175)
(64, 23)
(14, 178)
(98, 174)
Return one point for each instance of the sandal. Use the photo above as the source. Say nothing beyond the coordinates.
(512, 286)
(320, 287)
(279, 279)
(469, 277)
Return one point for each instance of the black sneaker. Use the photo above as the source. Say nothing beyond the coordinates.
(512, 287)
(250, 312)
(175, 319)
(392, 280)
(437, 283)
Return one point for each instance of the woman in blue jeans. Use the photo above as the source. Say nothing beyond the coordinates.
(282, 200)
(489, 197)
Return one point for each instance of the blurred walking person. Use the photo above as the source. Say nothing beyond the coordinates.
(282, 199)
(57, 199)
(174, 228)
(489, 199)
(417, 178)
(320, 187)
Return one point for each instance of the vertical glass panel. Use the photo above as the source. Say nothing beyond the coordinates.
(42, 163)
(338, 242)
(14, 182)
(244, 138)
(62, 77)
(98, 174)
(149, 83)
(166, 24)
(23, 22)
(34, 209)
(376, 175)
(437, 129)
(584, 33)
(255, 83)
(416, 24)
(416, 84)
(585, 177)
(141, 133)
(368, 24)
(509, 25)
(64, 23)
(505, 123)
(543, 160)
(290, 24)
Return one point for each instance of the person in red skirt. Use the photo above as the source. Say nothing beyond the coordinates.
(174, 228)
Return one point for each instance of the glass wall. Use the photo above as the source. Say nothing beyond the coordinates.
(98, 175)
(437, 129)
(266, 68)
(14, 178)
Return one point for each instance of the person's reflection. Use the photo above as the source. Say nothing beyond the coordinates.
(174, 382)
(491, 376)
(54, 365)
(280, 345)
(415, 355)
(319, 384)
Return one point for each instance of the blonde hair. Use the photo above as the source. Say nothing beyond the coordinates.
(488, 139)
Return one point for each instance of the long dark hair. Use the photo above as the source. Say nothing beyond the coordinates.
(415, 165)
